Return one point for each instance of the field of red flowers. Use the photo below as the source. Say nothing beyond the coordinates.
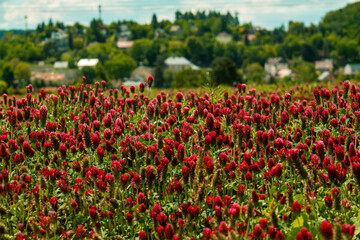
(93, 163)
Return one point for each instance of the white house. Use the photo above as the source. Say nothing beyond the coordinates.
(125, 33)
(224, 38)
(60, 38)
(274, 65)
(323, 66)
(91, 62)
(351, 68)
(177, 64)
(61, 64)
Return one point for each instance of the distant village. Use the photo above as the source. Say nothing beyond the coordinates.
(126, 53)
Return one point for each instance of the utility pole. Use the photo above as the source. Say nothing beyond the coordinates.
(99, 11)
(26, 24)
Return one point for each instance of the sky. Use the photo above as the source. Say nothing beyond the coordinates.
(264, 13)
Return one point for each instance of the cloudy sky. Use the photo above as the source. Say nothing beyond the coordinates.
(264, 13)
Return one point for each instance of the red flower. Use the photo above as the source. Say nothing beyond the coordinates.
(169, 231)
(328, 201)
(223, 228)
(326, 230)
(54, 203)
(161, 218)
(142, 235)
(257, 231)
(207, 234)
(28, 151)
(129, 217)
(150, 80)
(296, 207)
(279, 236)
(45, 223)
(81, 232)
(304, 235)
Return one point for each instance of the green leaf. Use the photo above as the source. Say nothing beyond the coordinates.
(356, 222)
(298, 222)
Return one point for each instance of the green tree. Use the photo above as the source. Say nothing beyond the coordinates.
(188, 78)
(94, 33)
(141, 31)
(102, 51)
(70, 40)
(347, 49)
(194, 49)
(8, 74)
(223, 71)
(3, 87)
(78, 43)
(22, 71)
(89, 73)
(120, 66)
(304, 71)
(308, 52)
(140, 49)
(100, 71)
(159, 71)
(255, 73)
(154, 22)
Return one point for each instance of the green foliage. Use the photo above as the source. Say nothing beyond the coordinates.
(344, 22)
(94, 34)
(347, 49)
(304, 71)
(78, 43)
(140, 49)
(120, 66)
(159, 71)
(89, 73)
(3, 87)
(8, 74)
(194, 49)
(100, 72)
(22, 71)
(255, 73)
(223, 71)
(141, 31)
(102, 51)
(188, 78)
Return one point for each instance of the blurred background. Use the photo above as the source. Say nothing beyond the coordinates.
(182, 43)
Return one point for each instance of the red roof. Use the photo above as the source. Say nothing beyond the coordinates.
(124, 44)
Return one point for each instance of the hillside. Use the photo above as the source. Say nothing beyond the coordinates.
(345, 21)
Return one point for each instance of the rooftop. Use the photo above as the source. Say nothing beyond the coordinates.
(91, 62)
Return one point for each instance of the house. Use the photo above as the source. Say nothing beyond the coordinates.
(274, 65)
(91, 62)
(351, 68)
(61, 64)
(159, 32)
(125, 33)
(47, 76)
(177, 64)
(323, 66)
(176, 30)
(124, 44)
(61, 40)
(326, 77)
(251, 37)
(224, 38)
(285, 72)
(139, 75)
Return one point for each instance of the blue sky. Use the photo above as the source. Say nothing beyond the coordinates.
(264, 13)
